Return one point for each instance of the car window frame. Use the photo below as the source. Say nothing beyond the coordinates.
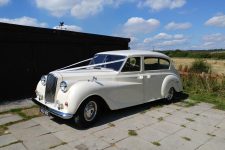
(131, 72)
(158, 61)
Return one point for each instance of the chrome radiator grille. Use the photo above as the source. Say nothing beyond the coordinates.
(50, 88)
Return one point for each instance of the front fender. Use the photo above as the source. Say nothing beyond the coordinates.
(171, 81)
(82, 90)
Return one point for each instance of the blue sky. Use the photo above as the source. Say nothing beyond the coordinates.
(151, 24)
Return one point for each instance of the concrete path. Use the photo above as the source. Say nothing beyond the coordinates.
(199, 127)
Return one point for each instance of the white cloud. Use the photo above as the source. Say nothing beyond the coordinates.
(24, 21)
(162, 36)
(164, 41)
(212, 41)
(173, 42)
(178, 26)
(136, 25)
(77, 8)
(69, 28)
(162, 4)
(56, 7)
(4, 2)
(218, 21)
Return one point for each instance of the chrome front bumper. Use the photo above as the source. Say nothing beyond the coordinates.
(53, 111)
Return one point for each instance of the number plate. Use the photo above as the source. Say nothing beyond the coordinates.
(44, 111)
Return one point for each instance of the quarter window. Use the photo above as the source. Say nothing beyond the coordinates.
(155, 63)
(132, 64)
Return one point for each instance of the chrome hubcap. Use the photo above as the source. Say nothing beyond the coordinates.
(90, 111)
(170, 94)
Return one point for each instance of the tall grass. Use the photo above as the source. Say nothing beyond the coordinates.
(203, 86)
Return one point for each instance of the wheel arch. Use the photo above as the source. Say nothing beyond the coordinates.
(100, 99)
(171, 81)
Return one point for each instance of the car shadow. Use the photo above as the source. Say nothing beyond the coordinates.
(113, 115)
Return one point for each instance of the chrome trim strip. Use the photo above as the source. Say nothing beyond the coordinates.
(53, 111)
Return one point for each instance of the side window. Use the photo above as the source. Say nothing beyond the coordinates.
(132, 64)
(155, 63)
(164, 64)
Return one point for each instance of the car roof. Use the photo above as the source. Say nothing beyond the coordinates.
(129, 53)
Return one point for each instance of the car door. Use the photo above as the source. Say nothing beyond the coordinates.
(130, 84)
(155, 70)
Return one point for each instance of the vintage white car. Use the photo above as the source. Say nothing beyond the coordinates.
(113, 79)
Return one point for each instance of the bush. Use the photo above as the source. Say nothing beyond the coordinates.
(199, 66)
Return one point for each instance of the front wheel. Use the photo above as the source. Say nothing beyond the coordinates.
(87, 113)
(170, 95)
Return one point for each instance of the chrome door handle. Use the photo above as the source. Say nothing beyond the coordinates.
(140, 77)
(148, 76)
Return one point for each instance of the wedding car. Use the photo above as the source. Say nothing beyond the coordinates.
(113, 79)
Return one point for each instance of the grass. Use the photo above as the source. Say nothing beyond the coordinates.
(156, 143)
(210, 134)
(205, 87)
(184, 126)
(111, 125)
(63, 143)
(25, 113)
(3, 129)
(132, 133)
(11, 143)
(187, 103)
(160, 119)
(189, 119)
(186, 138)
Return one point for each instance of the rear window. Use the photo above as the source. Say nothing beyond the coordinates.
(156, 63)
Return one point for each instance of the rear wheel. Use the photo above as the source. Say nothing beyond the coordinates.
(170, 95)
(88, 113)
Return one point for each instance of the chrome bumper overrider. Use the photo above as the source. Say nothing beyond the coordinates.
(53, 111)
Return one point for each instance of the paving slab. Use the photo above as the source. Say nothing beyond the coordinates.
(135, 143)
(89, 142)
(176, 142)
(62, 147)
(23, 125)
(156, 114)
(70, 135)
(220, 132)
(136, 123)
(197, 109)
(29, 133)
(112, 135)
(42, 142)
(50, 124)
(7, 118)
(17, 146)
(166, 127)
(151, 135)
(201, 127)
(7, 139)
(194, 136)
(214, 144)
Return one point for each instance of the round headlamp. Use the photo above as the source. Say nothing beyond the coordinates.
(63, 86)
(43, 80)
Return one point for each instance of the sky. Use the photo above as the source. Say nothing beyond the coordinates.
(151, 24)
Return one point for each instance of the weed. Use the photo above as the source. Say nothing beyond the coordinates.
(210, 134)
(11, 143)
(184, 126)
(132, 133)
(63, 143)
(186, 138)
(160, 119)
(111, 125)
(156, 143)
(189, 119)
